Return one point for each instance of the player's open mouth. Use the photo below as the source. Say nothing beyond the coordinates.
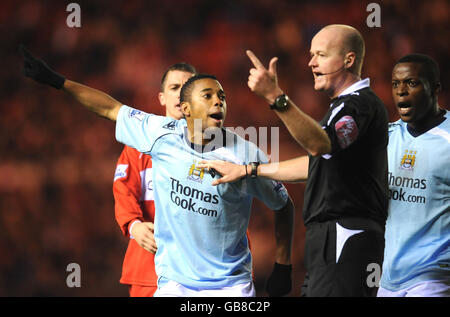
(404, 108)
(217, 116)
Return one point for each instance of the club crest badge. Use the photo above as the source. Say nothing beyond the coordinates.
(196, 174)
(408, 160)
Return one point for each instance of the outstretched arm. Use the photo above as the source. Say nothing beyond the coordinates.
(294, 170)
(93, 99)
(304, 129)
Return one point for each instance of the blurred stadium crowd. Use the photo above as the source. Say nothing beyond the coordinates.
(57, 160)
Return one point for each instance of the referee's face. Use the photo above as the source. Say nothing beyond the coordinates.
(170, 97)
(327, 60)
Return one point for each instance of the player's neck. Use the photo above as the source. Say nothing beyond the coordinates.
(199, 137)
(431, 120)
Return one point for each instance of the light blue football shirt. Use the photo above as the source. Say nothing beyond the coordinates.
(200, 229)
(418, 225)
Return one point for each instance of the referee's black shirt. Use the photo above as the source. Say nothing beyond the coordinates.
(352, 180)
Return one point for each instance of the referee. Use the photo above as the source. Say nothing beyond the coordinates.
(345, 206)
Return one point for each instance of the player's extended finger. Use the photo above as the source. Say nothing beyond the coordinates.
(210, 162)
(202, 164)
(152, 247)
(255, 60)
(222, 180)
(148, 239)
(273, 65)
(207, 164)
(217, 181)
(149, 248)
(153, 250)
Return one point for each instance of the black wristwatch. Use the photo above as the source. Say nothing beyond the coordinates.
(281, 103)
(254, 166)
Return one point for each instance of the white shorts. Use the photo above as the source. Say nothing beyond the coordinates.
(174, 289)
(424, 289)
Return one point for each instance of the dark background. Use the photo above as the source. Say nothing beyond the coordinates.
(57, 160)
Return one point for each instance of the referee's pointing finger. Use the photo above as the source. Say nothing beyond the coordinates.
(256, 62)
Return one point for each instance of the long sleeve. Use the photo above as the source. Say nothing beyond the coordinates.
(127, 189)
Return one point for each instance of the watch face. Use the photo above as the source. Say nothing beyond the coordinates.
(281, 102)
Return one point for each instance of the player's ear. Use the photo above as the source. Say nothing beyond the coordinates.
(437, 88)
(162, 98)
(186, 109)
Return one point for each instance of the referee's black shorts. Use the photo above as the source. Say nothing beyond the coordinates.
(337, 257)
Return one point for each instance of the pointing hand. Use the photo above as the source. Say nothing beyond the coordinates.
(262, 81)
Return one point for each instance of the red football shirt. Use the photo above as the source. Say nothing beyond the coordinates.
(133, 194)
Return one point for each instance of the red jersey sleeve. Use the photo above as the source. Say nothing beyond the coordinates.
(127, 189)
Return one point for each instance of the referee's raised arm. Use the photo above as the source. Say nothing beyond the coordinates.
(93, 99)
(304, 129)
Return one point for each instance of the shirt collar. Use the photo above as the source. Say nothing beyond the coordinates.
(360, 84)
(363, 83)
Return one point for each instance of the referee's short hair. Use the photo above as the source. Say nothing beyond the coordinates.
(183, 67)
(429, 69)
(353, 41)
(186, 90)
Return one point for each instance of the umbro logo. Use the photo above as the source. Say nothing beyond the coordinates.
(170, 125)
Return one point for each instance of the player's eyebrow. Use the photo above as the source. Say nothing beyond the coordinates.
(409, 78)
(206, 89)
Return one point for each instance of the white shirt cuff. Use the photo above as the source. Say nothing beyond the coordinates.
(131, 227)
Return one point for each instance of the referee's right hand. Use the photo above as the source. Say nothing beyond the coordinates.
(38, 70)
(264, 81)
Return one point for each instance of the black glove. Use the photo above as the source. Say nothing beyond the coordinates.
(279, 282)
(38, 70)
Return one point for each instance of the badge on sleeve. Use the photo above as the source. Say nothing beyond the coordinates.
(121, 171)
(346, 131)
(137, 114)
